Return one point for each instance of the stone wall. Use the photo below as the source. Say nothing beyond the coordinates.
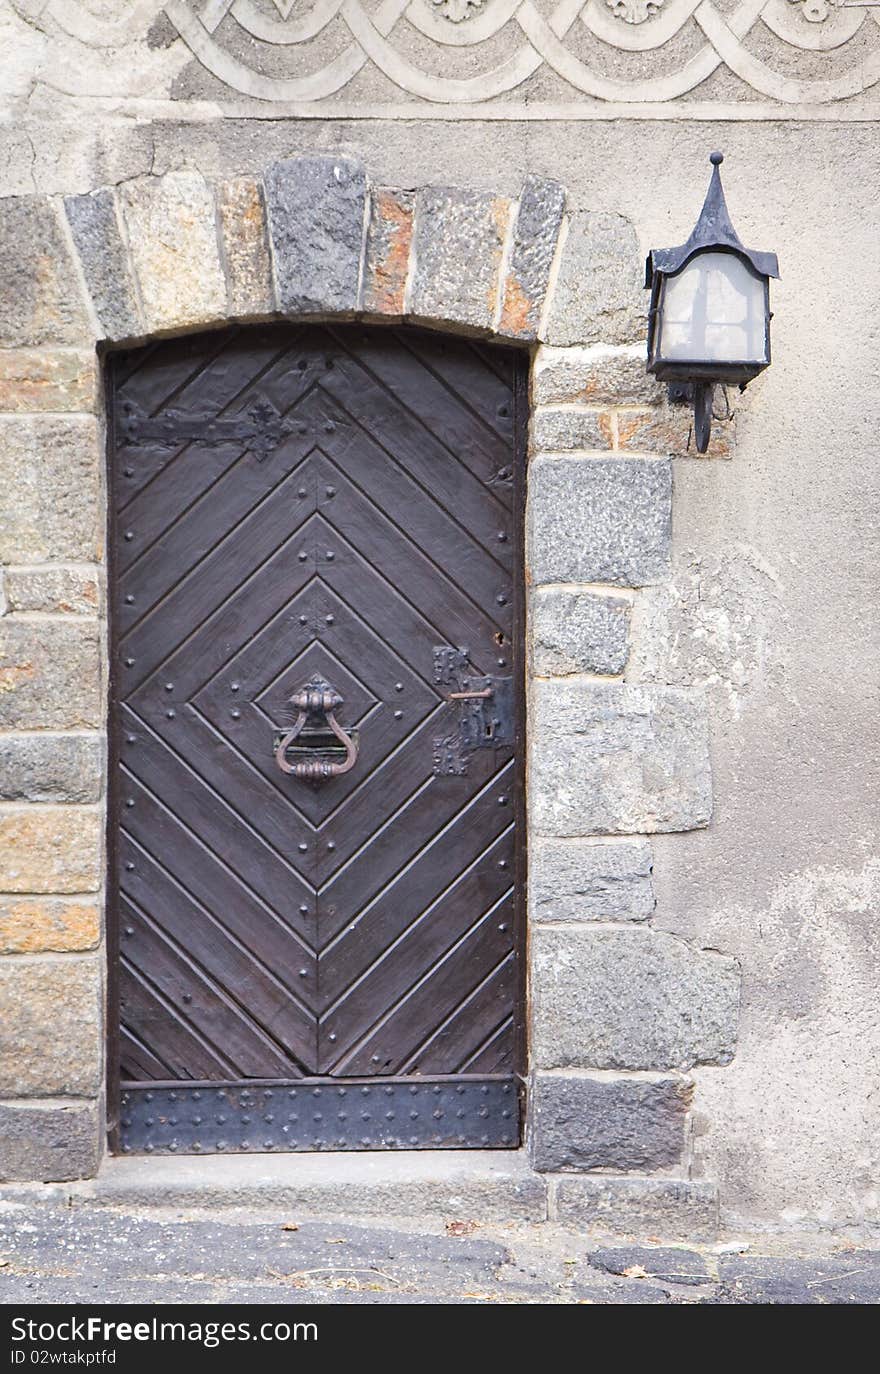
(51, 758)
(620, 1011)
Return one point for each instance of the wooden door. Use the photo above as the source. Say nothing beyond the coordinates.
(309, 519)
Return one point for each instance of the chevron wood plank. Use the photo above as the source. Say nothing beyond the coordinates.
(260, 995)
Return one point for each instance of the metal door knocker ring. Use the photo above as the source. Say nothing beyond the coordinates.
(316, 703)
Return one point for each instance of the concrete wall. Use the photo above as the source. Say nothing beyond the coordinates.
(771, 606)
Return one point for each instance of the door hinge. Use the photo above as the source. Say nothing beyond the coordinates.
(259, 429)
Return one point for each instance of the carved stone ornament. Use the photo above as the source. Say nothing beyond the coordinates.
(816, 11)
(637, 11)
(457, 10)
(276, 50)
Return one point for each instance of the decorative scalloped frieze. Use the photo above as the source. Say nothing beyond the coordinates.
(537, 40)
(389, 57)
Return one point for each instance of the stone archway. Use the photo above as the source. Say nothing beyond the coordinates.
(620, 1011)
(312, 240)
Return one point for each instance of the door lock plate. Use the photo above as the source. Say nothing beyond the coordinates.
(484, 707)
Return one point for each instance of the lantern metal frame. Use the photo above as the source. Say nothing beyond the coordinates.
(694, 380)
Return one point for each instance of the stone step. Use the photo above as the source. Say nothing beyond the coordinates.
(485, 1185)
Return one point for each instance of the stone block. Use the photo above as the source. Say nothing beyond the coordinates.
(40, 297)
(609, 758)
(585, 880)
(51, 1030)
(37, 925)
(671, 1208)
(599, 295)
(245, 247)
(566, 428)
(535, 236)
(316, 208)
(47, 379)
(459, 241)
(600, 520)
(172, 235)
(55, 589)
(669, 429)
(50, 674)
(54, 849)
(631, 998)
(49, 1142)
(389, 241)
(578, 632)
(94, 225)
(598, 376)
(47, 767)
(581, 1123)
(50, 496)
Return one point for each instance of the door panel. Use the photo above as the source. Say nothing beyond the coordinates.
(297, 506)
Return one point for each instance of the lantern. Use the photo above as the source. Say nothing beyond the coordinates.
(709, 319)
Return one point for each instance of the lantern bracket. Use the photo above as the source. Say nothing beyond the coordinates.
(700, 395)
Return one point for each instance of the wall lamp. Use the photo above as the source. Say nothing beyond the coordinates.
(709, 319)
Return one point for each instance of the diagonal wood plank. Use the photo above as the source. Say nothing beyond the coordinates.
(150, 634)
(153, 1020)
(431, 398)
(216, 885)
(430, 932)
(482, 503)
(203, 543)
(446, 983)
(194, 377)
(390, 846)
(477, 385)
(196, 1000)
(461, 1040)
(152, 764)
(498, 1054)
(374, 478)
(402, 911)
(260, 996)
(137, 1061)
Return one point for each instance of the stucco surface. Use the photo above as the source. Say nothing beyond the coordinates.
(772, 602)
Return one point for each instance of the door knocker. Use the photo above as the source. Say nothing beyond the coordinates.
(316, 739)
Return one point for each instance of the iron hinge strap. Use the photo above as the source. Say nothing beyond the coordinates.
(260, 428)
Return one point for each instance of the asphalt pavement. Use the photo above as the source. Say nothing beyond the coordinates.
(86, 1254)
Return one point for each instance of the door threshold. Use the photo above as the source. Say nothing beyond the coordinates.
(478, 1185)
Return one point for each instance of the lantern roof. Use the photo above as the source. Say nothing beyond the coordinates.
(712, 230)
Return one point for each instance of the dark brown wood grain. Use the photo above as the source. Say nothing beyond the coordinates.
(367, 925)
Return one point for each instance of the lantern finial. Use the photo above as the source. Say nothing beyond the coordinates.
(713, 229)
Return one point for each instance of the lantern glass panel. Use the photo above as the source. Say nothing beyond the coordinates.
(714, 310)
